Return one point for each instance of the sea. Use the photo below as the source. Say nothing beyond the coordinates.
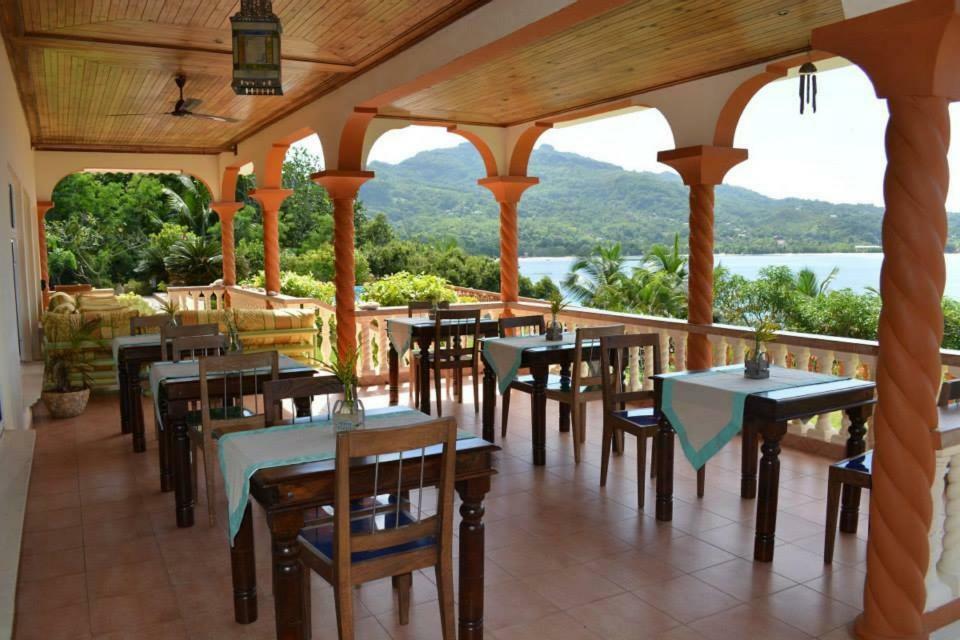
(856, 270)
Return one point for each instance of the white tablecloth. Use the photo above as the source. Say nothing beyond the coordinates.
(506, 354)
(705, 408)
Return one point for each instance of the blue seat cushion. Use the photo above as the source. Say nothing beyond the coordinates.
(320, 538)
(645, 417)
(552, 379)
(861, 464)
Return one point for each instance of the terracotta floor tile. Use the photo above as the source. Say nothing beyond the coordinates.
(53, 502)
(37, 542)
(841, 583)
(66, 623)
(133, 611)
(634, 569)
(688, 553)
(52, 593)
(512, 603)
(52, 519)
(623, 617)
(686, 599)
(51, 565)
(173, 630)
(746, 622)
(572, 586)
(558, 626)
(126, 579)
(744, 579)
(807, 610)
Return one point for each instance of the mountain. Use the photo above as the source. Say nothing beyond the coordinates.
(580, 202)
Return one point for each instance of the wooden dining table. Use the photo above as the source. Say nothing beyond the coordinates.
(286, 493)
(538, 360)
(131, 359)
(173, 404)
(766, 416)
(422, 334)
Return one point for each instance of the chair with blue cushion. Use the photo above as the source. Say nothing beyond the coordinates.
(391, 540)
(855, 472)
(618, 418)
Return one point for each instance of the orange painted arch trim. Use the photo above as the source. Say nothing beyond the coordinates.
(342, 185)
(701, 164)
(508, 189)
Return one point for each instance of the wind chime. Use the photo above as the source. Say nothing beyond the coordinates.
(808, 86)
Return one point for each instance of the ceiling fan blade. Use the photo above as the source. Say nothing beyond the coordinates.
(190, 104)
(120, 115)
(207, 116)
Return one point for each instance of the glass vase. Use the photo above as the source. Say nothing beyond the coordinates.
(348, 412)
(554, 329)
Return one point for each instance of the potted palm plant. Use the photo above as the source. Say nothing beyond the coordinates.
(66, 372)
(348, 413)
(555, 329)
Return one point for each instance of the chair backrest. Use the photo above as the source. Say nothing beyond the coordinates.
(170, 331)
(415, 307)
(521, 326)
(303, 389)
(196, 347)
(231, 371)
(456, 334)
(399, 456)
(949, 391)
(614, 367)
(587, 351)
(139, 324)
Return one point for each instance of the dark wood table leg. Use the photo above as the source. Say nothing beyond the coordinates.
(289, 598)
(748, 461)
(768, 491)
(135, 406)
(124, 396)
(165, 445)
(564, 407)
(856, 445)
(489, 402)
(244, 568)
(664, 442)
(393, 376)
(470, 589)
(425, 366)
(182, 471)
(538, 413)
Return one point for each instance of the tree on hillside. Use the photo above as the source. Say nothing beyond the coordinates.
(593, 275)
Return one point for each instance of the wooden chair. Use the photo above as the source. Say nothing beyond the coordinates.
(618, 418)
(196, 347)
(582, 387)
(395, 540)
(857, 472)
(456, 346)
(140, 324)
(170, 331)
(418, 308)
(519, 326)
(302, 391)
(231, 414)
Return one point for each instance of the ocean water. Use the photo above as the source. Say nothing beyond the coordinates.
(856, 270)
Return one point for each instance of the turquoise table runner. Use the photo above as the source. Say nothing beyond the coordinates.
(706, 408)
(243, 453)
(506, 354)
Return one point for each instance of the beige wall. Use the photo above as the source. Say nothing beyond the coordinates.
(16, 176)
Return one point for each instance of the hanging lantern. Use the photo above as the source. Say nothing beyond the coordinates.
(256, 50)
(808, 86)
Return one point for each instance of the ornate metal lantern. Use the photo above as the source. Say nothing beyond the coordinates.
(256, 50)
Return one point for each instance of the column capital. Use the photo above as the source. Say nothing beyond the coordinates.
(508, 189)
(226, 210)
(271, 199)
(42, 207)
(911, 49)
(702, 164)
(341, 185)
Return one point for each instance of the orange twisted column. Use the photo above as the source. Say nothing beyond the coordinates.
(701, 168)
(508, 190)
(226, 212)
(908, 367)
(270, 201)
(43, 206)
(918, 77)
(343, 186)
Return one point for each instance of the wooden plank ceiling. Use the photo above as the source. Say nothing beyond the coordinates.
(77, 61)
(641, 46)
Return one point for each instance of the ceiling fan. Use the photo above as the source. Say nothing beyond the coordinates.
(183, 108)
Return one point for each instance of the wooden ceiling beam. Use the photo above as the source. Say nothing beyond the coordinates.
(111, 148)
(161, 56)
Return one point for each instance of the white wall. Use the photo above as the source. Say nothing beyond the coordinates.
(16, 169)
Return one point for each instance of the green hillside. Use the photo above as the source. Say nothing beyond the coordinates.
(581, 201)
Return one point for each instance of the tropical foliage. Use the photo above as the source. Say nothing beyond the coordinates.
(402, 288)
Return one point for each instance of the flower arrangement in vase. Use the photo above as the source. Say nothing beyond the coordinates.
(757, 363)
(554, 328)
(348, 412)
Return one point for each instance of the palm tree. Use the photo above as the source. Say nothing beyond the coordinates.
(668, 260)
(592, 275)
(808, 285)
(194, 260)
(190, 206)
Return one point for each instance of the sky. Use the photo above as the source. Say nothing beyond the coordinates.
(835, 154)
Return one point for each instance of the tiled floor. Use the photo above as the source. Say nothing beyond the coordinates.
(102, 557)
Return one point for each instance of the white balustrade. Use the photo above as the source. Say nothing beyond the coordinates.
(939, 591)
(949, 564)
